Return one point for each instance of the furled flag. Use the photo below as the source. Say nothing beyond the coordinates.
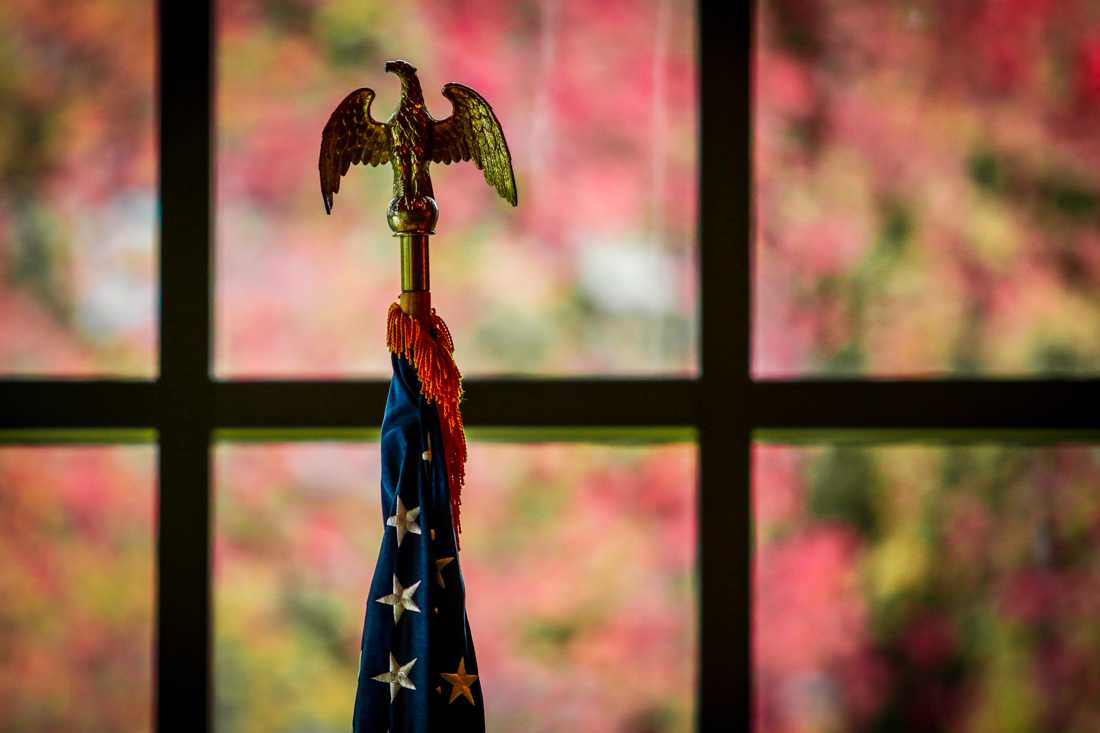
(417, 668)
(417, 671)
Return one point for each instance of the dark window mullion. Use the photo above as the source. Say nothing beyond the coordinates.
(972, 404)
(497, 402)
(185, 91)
(725, 666)
(947, 404)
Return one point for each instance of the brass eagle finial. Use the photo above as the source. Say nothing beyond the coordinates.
(411, 140)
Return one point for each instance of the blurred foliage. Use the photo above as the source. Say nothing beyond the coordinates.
(844, 488)
(911, 588)
(77, 527)
(578, 563)
(926, 187)
(77, 178)
(593, 273)
(600, 133)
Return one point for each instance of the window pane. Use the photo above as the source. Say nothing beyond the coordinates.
(78, 200)
(916, 588)
(77, 527)
(593, 273)
(927, 188)
(578, 563)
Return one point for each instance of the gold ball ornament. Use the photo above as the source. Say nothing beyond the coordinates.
(413, 215)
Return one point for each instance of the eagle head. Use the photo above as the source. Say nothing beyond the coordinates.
(403, 69)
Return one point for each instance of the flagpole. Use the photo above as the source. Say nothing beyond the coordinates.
(412, 220)
(423, 403)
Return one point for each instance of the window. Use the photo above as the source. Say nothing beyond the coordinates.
(78, 201)
(579, 562)
(723, 406)
(78, 534)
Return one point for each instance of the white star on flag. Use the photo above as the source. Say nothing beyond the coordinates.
(401, 599)
(404, 520)
(397, 677)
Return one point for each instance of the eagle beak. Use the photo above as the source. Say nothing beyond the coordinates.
(398, 66)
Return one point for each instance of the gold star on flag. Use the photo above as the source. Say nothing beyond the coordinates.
(460, 682)
(401, 599)
(404, 520)
(397, 677)
(439, 565)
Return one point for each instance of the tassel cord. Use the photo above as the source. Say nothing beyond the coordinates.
(431, 354)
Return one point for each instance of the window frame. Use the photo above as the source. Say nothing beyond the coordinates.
(724, 406)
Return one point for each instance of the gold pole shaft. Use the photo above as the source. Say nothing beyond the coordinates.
(416, 296)
(412, 220)
(414, 262)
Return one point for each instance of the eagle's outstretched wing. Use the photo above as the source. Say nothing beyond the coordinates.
(472, 132)
(351, 136)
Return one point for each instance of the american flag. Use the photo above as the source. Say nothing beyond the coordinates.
(417, 667)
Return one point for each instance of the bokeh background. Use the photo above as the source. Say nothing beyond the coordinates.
(78, 199)
(578, 563)
(925, 182)
(926, 194)
(897, 587)
(594, 272)
(77, 588)
(927, 187)
(926, 588)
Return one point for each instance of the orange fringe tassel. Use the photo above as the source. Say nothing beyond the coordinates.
(440, 382)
